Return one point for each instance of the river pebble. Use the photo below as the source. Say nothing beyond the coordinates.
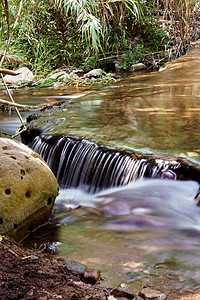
(91, 275)
(148, 293)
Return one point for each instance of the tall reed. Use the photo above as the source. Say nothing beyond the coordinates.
(94, 19)
(180, 19)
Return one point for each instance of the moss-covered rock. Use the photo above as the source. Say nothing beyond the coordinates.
(27, 189)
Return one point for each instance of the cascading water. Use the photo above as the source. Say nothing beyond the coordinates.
(91, 168)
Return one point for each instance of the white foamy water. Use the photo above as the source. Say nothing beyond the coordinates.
(147, 202)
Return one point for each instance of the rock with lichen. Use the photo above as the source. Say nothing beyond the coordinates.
(27, 190)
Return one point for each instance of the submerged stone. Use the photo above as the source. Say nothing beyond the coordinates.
(75, 267)
(27, 190)
(197, 198)
(119, 294)
(148, 293)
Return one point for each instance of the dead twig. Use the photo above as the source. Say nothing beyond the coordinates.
(19, 132)
(10, 35)
(11, 98)
(12, 104)
(12, 252)
(9, 72)
(4, 71)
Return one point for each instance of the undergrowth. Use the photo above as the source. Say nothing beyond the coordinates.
(57, 34)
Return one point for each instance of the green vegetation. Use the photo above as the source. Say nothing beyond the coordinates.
(54, 34)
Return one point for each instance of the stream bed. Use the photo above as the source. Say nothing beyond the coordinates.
(147, 232)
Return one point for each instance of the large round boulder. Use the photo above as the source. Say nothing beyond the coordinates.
(28, 190)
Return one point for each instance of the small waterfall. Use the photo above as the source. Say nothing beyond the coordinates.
(92, 168)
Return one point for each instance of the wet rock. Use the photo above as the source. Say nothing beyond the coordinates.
(138, 67)
(27, 190)
(51, 100)
(148, 293)
(24, 75)
(49, 247)
(169, 174)
(91, 275)
(74, 75)
(79, 72)
(111, 298)
(96, 73)
(197, 198)
(61, 75)
(122, 294)
(75, 267)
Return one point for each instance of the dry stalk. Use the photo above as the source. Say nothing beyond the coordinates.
(11, 98)
(2, 60)
(10, 35)
(12, 104)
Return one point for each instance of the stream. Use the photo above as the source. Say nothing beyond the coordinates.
(147, 232)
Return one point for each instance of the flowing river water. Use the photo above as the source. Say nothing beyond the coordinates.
(149, 231)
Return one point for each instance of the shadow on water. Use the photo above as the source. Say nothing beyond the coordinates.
(148, 231)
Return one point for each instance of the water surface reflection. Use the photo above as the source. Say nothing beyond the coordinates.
(159, 111)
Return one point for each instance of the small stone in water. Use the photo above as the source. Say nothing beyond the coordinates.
(197, 199)
(122, 294)
(147, 293)
(5, 92)
(146, 272)
(91, 275)
(169, 174)
(51, 100)
(75, 267)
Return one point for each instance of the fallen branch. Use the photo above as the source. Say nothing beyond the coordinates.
(38, 107)
(12, 104)
(9, 72)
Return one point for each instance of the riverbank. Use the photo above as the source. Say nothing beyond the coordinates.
(25, 274)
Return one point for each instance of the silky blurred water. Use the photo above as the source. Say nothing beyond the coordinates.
(132, 228)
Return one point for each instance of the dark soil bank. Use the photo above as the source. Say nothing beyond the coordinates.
(25, 274)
